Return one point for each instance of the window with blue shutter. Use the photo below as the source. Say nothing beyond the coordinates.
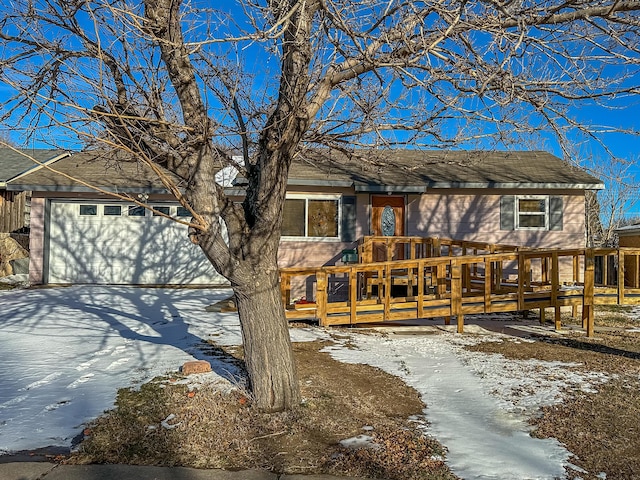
(349, 218)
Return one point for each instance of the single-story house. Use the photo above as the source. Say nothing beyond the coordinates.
(79, 235)
(525, 198)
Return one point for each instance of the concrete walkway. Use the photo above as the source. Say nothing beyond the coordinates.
(52, 471)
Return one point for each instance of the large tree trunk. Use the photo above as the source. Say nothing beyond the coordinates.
(267, 347)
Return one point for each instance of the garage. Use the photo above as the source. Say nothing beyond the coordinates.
(122, 243)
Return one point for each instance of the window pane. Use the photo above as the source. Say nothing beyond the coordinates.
(164, 210)
(136, 211)
(532, 205)
(293, 218)
(88, 209)
(183, 212)
(323, 218)
(528, 221)
(112, 209)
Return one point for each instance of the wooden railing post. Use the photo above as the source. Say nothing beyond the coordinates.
(285, 289)
(555, 287)
(353, 295)
(488, 285)
(575, 279)
(456, 294)
(387, 283)
(589, 287)
(421, 288)
(620, 277)
(321, 297)
(436, 247)
(521, 280)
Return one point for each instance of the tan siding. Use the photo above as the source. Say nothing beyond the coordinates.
(36, 242)
(310, 254)
(477, 217)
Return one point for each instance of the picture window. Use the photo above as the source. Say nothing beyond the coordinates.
(311, 217)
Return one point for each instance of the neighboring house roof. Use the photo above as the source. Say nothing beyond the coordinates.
(418, 170)
(628, 230)
(366, 171)
(16, 162)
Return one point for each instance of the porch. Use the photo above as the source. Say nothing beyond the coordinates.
(407, 278)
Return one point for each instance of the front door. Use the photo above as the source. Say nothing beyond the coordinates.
(387, 219)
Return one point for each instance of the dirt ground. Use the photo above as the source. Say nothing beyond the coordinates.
(342, 401)
(601, 429)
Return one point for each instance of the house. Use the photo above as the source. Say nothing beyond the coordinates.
(629, 237)
(79, 235)
(526, 198)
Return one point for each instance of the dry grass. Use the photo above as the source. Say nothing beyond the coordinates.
(222, 430)
(601, 429)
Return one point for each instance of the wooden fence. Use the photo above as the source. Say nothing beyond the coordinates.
(12, 211)
(431, 285)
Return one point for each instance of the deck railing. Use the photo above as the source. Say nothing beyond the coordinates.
(455, 285)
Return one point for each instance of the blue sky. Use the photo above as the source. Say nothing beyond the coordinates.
(625, 114)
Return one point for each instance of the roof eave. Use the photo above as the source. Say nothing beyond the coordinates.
(83, 189)
(390, 188)
(518, 185)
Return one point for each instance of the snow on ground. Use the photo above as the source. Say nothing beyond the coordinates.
(477, 404)
(66, 351)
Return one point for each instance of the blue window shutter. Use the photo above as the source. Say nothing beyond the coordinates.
(555, 213)
(507, 212)
(348, 230)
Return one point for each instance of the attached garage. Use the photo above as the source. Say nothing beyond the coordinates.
(121, 243)
(90, 235)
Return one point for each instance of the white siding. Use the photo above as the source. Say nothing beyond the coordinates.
(122, 249)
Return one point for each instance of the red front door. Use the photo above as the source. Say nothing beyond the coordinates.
(387, 219)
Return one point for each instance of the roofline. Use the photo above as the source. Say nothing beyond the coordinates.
(364, 188)
(370, 187)
(390, 188)
(511, 185)
(300, 182)
(83, 189)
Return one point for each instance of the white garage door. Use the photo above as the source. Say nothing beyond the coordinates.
(110, 243)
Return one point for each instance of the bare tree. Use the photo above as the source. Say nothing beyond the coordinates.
(181, 86)
(608, 210)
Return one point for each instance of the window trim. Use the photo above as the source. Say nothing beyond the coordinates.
(320, 196)
(517, 212)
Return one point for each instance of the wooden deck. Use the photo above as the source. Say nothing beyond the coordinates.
(450, 279)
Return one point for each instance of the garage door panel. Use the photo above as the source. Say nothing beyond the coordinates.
(123, 250)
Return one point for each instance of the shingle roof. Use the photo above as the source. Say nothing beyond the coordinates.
(14, 162)
(106, 170)
(367, 170)
(415, 170)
